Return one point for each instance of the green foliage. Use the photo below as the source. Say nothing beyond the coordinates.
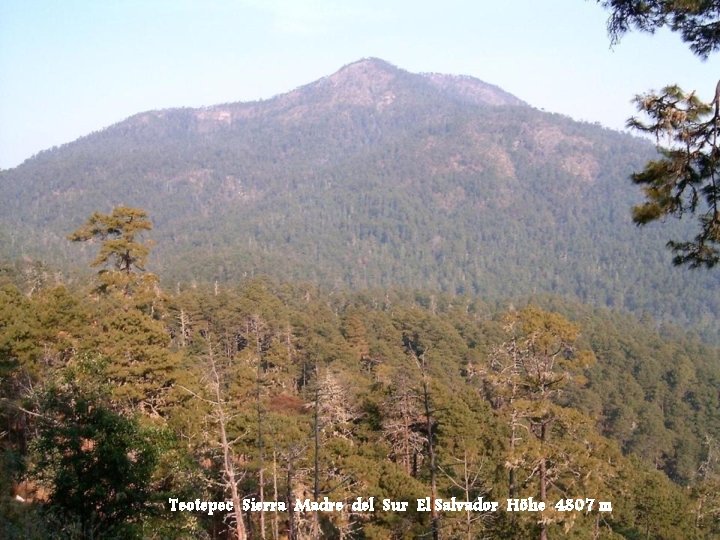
(16, 328)
(643, 400)
(695, 20)
(119, 249)
(661, 511)
(96, 463)
(686, 179)
(428, 192)
(117, 232)
(552, 450)
(128, 310)
(142, 368)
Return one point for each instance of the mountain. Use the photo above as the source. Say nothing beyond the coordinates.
(372, 176)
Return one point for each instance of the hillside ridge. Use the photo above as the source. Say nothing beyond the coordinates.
(371, 176)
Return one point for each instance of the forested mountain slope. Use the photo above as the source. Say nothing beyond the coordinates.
(372, 176)
(394, 395)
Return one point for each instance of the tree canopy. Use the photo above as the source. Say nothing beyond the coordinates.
(686, 179)
(118, 232)
(430, 192)
(375, 394)
(121, 249)
(697, 21)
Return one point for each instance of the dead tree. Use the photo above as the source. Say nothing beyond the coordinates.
(402, 425)
(418, 352)
(468, 480)
(221, 416)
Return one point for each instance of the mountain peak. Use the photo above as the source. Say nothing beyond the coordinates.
(472, 90)
(374, 81)
(370, 63)
(370, 176)
(365, 71)
(365, 82)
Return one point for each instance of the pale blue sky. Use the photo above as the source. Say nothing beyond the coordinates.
(71, 67)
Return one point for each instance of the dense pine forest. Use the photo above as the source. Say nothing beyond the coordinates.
(120, 395)
(371, 177)
(383, 305)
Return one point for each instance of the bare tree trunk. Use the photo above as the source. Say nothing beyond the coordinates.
(543, 479)
(467, 484)
(406, 444)
(512, 488)
(228, 465)
(261, 479)
(183, 327)
(276, 517)
(468, 515)
(316, 472)
(290, 356)
(292, 526)
(434, 517)
(261, 446)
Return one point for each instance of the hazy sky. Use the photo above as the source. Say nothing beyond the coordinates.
(71, 67)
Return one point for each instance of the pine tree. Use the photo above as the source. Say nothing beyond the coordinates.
(122, 255)
(687, 177)
(126, 327)
(529, 372)
(695, 20)
(96, 463)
